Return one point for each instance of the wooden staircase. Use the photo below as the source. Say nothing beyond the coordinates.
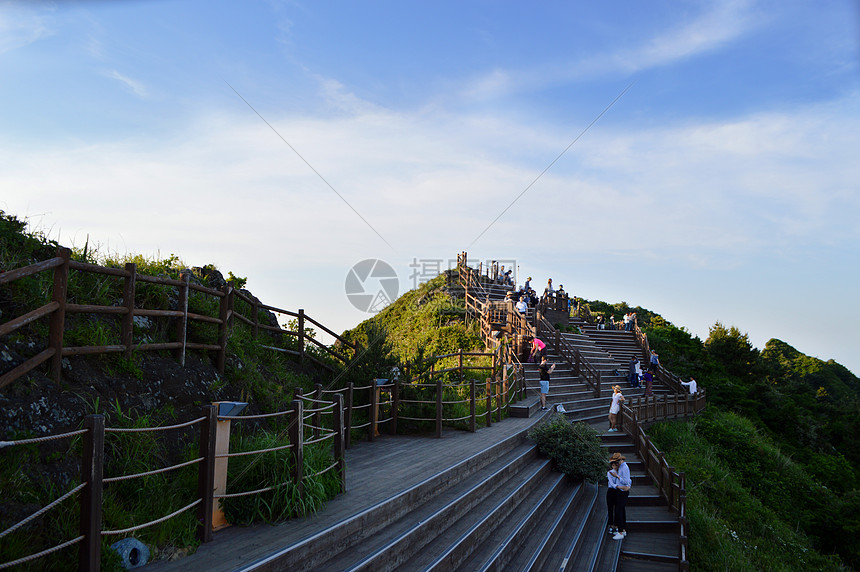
(505, 508)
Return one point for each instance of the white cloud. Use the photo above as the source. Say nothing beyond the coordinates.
(20, 26)
(724, 22)
(706, 198)
(134, 86)
(714, 28)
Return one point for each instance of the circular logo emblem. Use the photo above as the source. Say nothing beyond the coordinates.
(371, 285)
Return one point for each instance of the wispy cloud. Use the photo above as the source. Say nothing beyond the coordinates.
(131, 85)
(20, 26)
(724, 22)
(712, 29)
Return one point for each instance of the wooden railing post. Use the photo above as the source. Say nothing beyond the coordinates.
(206, 473)
(505, 395)
(317, 419)
(663, 469)
(225, 312)
(395, 407)
(498, 401)
(488, 390)
(58, 317)
(374, 411)
(338, 446)
(127, 322)
(462, 376)
(92, 466)
(182, 322)
(439, 409)
(297, 439)
(349, 389)
(301, 328)
(472, 394)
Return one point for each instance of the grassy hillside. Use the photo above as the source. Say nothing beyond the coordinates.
(771, 466)
(149, 389)
(424, 322)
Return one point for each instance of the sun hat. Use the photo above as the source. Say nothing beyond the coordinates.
(617, 457)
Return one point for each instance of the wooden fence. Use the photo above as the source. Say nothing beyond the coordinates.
(91, 488)
(322, 415)
(59, 306)
(671, 484)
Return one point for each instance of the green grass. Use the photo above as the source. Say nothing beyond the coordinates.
(747, 503)
(274, 468)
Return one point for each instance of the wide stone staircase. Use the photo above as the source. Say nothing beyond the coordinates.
(653, 528)
(503, 509)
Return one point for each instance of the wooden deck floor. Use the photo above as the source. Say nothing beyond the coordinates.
(375, 471)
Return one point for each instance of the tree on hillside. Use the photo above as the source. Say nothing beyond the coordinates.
(734, 352)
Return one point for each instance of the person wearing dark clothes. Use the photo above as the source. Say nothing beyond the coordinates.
(654, 362)
(545, 369)
(633, 372)
(612, 494)
(649, 383)
(622, 473)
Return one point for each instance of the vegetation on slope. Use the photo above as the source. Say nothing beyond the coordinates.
(148, 390)
(428, 321)
(770, 466)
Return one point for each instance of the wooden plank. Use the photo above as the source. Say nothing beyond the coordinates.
(23, 368)
(18, 273)
(13, 325)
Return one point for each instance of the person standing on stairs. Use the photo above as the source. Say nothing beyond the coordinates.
(649, 383)
(633, 372)
(545, 369)
(615, 407)
(612, 494)
(654, 362)
(623, 484)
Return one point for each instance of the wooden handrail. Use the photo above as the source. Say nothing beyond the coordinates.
(572, 356)
(671, 484)
(56, 311)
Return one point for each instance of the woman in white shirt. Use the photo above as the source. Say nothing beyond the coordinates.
(615, 407)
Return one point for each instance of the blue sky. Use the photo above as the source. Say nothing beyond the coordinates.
(287, 141)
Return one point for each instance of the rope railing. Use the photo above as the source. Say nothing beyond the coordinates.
(152, 429)
(82, 487)
(43, 510)
(41, 554)
(254, 452)
(152, 522)
(153, 472)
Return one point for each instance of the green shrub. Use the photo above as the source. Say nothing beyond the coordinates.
(274, 468)
(573, 447)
